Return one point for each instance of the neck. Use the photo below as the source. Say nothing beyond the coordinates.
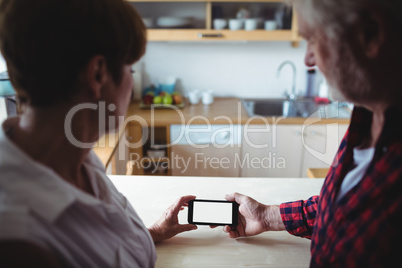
(40, 133)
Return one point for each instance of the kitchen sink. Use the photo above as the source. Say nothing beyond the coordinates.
(273, 108)
(298, 108)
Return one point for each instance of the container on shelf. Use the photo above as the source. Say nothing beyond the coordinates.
(156, 151)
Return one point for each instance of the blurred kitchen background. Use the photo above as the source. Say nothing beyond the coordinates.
(237, 69)
(241, 57)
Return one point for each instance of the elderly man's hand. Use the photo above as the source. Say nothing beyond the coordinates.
(168, 225)
(254, 217)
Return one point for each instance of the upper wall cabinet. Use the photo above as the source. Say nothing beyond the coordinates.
(230, 20)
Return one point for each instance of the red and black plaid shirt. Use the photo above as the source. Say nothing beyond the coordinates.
(363, 228)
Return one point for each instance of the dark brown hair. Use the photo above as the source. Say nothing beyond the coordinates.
(47, 43)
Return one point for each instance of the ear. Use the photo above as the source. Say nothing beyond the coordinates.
(96, 76)
(372, 31)
(309, 58)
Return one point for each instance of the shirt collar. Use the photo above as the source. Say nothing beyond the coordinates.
(361, 125)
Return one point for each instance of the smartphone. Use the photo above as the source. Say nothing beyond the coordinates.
(213, 212)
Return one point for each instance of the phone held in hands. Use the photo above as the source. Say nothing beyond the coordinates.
(213, 212)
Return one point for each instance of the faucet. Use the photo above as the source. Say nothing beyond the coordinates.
(292, 95)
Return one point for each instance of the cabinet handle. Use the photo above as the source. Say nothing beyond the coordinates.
(204, 35)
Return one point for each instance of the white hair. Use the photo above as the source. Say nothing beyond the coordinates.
(336, 15)
(333, 18)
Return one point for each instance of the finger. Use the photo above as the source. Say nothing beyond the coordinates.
(213, 226)
(227, 228)
(180, 202)
(186, 227)
(234, 234)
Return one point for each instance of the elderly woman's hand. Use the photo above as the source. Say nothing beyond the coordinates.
(254, 217)
(168, 225)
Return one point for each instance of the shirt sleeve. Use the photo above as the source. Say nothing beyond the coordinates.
(299, 216)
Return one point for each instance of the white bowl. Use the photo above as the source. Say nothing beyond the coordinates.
(219, 24)
(173, 22)
(270, 25)
(207, 97)
(250, 24)
(194, 96)
(236, 24)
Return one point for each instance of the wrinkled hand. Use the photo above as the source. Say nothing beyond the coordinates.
(254, 217)
(168, 225)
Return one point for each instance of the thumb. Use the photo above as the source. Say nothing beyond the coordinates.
(230, 197)
(235, 197)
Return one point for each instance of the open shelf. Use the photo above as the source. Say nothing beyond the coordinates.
(203, 13)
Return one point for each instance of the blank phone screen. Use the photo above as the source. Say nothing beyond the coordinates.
(212, 212)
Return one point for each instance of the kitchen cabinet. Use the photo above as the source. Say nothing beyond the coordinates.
(188, 150)
(257, 150)
(143, 159)
(205, 150)
(320, 142)
(145, 126)
(272, 151)
(288, 150)
(192, 20)
(285, 145)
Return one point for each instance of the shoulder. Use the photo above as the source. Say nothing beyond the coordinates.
(107, 190)
(33, 255)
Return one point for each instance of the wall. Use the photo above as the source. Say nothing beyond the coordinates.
(237, 69)
(3, 66)
(240, 69)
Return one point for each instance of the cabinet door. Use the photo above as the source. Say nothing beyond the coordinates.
(199, 150)
(271, 151)
(320, 144)
(186, 160)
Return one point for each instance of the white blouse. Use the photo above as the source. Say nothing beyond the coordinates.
(38, 206)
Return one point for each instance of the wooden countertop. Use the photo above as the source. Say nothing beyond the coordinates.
(317, 172)
(222, 111)
(206, 247)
